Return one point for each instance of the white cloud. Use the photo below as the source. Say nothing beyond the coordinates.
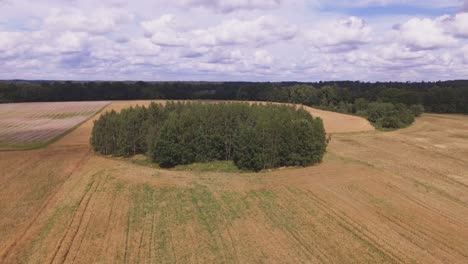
(343, 35)
(163, 31)
(457, 24)
(99, 21)
(71, 42)
(262, 58)
(261, 31)
(424, 34)
(8, 40)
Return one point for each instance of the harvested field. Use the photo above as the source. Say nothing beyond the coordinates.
(397, 197)
(30, 125)
(341, 123)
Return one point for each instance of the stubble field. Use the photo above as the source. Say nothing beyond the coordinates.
(395, 197)
(31, 125)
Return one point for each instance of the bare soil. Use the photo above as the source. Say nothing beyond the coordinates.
(379, 197)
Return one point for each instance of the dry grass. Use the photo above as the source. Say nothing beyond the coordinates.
(378, 198)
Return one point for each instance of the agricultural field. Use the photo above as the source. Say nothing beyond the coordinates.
(379, 197)
(32, 125)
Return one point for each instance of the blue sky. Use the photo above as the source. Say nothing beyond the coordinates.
(234, 40)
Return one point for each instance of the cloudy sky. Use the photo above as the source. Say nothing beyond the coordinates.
(244, 40)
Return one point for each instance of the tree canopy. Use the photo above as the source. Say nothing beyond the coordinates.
(255, 137)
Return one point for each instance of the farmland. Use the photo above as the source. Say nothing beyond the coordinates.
(379, 197)
(33, 125)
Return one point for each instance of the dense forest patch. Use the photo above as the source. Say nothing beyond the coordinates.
(254, 137)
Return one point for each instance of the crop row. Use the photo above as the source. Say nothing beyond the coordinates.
(25, 123)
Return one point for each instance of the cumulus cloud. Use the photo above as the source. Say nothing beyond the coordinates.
(344, 35)
(70, 42)
(456, 25)
(261, 31)
(163, 31)
(424, 34)
(100, 21)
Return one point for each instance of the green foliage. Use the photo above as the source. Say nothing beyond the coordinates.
(360, 105)
(388, 115)
(304, 94)
(417, 109)
(213, 166)
(439, 97)
(254, 137)
(248, 145)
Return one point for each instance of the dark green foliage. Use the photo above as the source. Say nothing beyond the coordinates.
(255, 137)
(439, 97)
(417, 109)
(174, 144)
(249, 152)
(346, 97)
(121, 134)
(388, 115)
(133, 131)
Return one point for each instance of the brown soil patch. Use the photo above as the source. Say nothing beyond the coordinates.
(377, 198)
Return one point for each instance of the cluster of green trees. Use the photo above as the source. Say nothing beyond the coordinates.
(255, 136)
(382, 112)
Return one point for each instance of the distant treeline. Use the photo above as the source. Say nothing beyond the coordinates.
(386, 104)
(255, 137)
(438, 97)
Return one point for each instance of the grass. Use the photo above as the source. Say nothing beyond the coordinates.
(28, 146)
(213, 166)
(142, 160)
(168, 209)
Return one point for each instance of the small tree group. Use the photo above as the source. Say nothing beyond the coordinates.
(388, 115)
(255, 137)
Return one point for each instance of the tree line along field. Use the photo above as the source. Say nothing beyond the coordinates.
(378, 197)
(31, 125)
(387, 105)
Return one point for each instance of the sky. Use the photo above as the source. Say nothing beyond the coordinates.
(234, 40)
